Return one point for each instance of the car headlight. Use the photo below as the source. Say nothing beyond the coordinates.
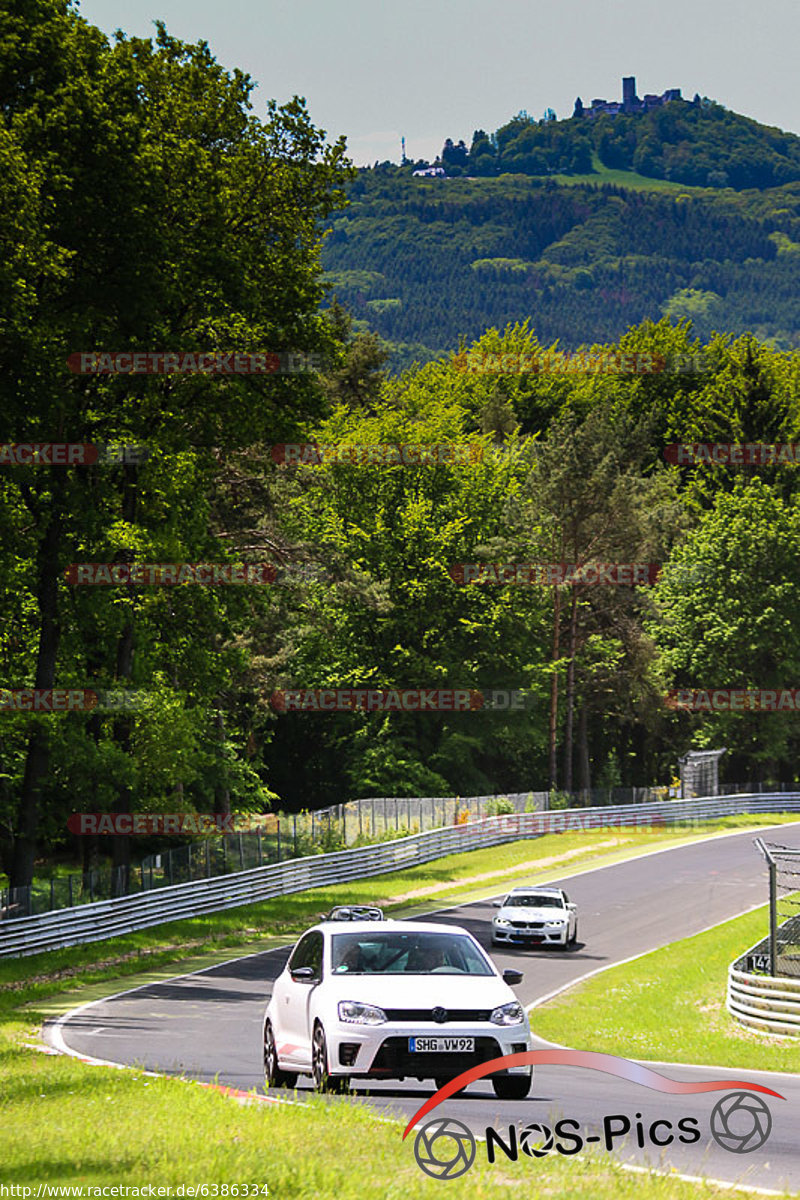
(501, 921)
(557, 923)
(361, 1014)
(508, 1014)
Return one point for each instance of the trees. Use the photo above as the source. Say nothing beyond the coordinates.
(727, 619)
(174, 218)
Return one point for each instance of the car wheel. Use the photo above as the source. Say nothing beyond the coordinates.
(273, 1074)
(511, 1087)
(323, 1080)
(574, 939)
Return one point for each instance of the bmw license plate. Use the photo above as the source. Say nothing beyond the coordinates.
(440, 1045)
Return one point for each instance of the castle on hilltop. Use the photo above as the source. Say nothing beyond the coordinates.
(630, 102)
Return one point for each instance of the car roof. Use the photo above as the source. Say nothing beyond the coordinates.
(344, 912)
(539, 891)
(388, 926)
(533, 887)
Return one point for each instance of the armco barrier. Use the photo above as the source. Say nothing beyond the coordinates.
(765, 1002)
(770, 1003)
(109, 918)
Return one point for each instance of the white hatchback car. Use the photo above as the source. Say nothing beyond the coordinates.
(392, 1000)
(535, 916)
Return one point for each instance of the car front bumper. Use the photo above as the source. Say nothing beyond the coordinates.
(530, 937)
(382, 1051)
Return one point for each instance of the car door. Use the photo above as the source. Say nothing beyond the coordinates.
(294, 990)
(572, 916)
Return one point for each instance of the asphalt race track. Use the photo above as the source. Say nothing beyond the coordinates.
(208, 1025)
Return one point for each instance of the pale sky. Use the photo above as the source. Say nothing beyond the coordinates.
(430, 69)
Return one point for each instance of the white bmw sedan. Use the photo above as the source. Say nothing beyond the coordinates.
(535, 916)
(392, 1000)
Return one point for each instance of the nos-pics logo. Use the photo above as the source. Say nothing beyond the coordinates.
(445, 1148)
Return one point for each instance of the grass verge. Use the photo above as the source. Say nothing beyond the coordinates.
(66, 1123)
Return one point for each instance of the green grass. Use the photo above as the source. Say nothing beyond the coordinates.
(64, 1122)
(628, 179)
(669, 1006)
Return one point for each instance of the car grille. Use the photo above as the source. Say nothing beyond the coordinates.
(528, 924)
(426, 1014)
(394, 1058)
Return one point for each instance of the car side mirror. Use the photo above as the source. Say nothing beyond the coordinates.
(304, 975)
(511, 976)
(572, 906)
(497, 904)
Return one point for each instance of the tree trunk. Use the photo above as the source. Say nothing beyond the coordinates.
(121, 843)
(38, 755)
(584, 765)
(573, 637)
(222, 794)
(554, 692)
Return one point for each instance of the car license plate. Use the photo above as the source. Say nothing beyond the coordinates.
(440, 1045)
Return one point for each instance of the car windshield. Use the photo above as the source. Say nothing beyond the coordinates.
(398, 953)
(533, 901)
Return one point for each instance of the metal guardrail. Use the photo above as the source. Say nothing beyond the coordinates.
(110, 918)
(768, 1003)
(279, 835)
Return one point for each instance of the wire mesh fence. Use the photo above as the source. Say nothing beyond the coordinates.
(779, 952)
(295, 835)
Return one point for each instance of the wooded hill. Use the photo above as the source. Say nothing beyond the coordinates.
(694, 142)
(423, 262)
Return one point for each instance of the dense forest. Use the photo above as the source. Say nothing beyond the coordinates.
(423, 262)
(193, 225)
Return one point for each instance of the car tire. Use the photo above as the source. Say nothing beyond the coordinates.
(323, 1080)
(512, 1087)
(573, 941)
(273, 1074)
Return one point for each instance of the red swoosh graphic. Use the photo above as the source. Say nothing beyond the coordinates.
(623, 1068)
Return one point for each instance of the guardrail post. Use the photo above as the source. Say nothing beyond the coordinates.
(773, 919)
(241, 851)
(71, 901)
(294, 831)
(279, 839)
